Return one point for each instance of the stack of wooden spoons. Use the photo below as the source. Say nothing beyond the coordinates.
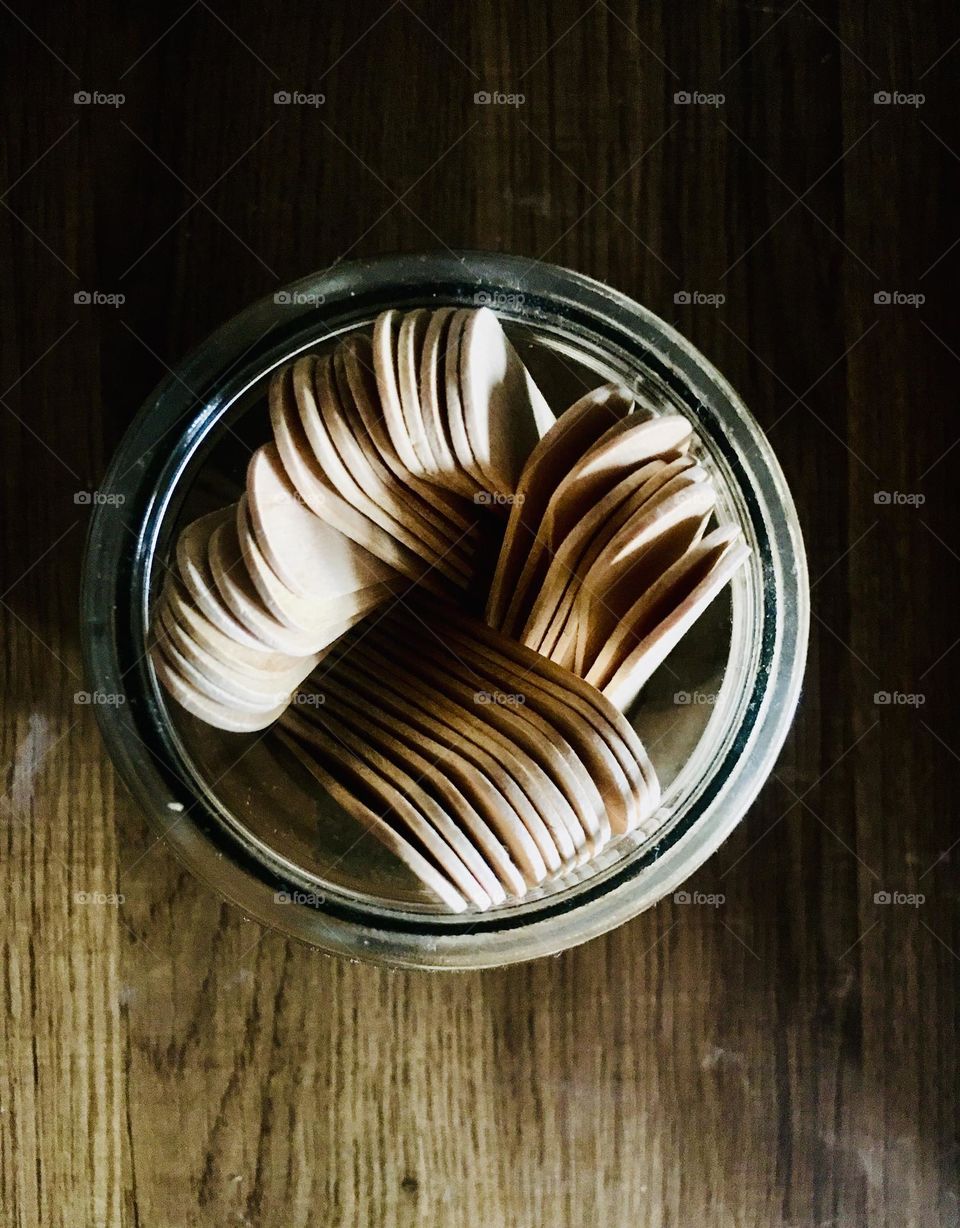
(484, 766)
(489, 755)
(385, 456)
(607, 561)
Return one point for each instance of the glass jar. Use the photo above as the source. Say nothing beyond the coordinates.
(245, 817)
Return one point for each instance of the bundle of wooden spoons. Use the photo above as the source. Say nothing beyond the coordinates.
(490, 755)
(484, 766)
(606, 561)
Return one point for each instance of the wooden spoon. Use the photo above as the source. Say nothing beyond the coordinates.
(567, 808)
(312, 387)
(345, 719)
(552, 458)
(508, 809)
(561, 723)
(554, 833)
(227, 696)
(243, 601)
(193, 567)
(308, 615)
(258, 689)
(220, 717)
(630, 677)
(411, 451)
(340, 783)
(606, 595)
(406, 801)
(441, 506)
(504, 412)
(395, 513)
(319, 495)
(608, 721)
(240, 657)
(393, 737)
(573, 556)
(409, 336)
(456, 420)
(309, 555)
(433, 404)
(627, 511)
(626, 447)
(659, 601)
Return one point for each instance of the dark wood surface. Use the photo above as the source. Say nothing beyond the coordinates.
(789, 1058)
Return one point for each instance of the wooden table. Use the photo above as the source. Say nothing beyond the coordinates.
(787, 1058)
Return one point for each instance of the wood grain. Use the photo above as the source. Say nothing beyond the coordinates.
(787, 1059)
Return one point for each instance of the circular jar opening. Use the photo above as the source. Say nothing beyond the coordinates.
(243, 812)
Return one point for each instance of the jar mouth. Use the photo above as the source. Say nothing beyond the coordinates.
(179, 439)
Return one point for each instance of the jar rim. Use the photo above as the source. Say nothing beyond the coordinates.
(174, 422)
